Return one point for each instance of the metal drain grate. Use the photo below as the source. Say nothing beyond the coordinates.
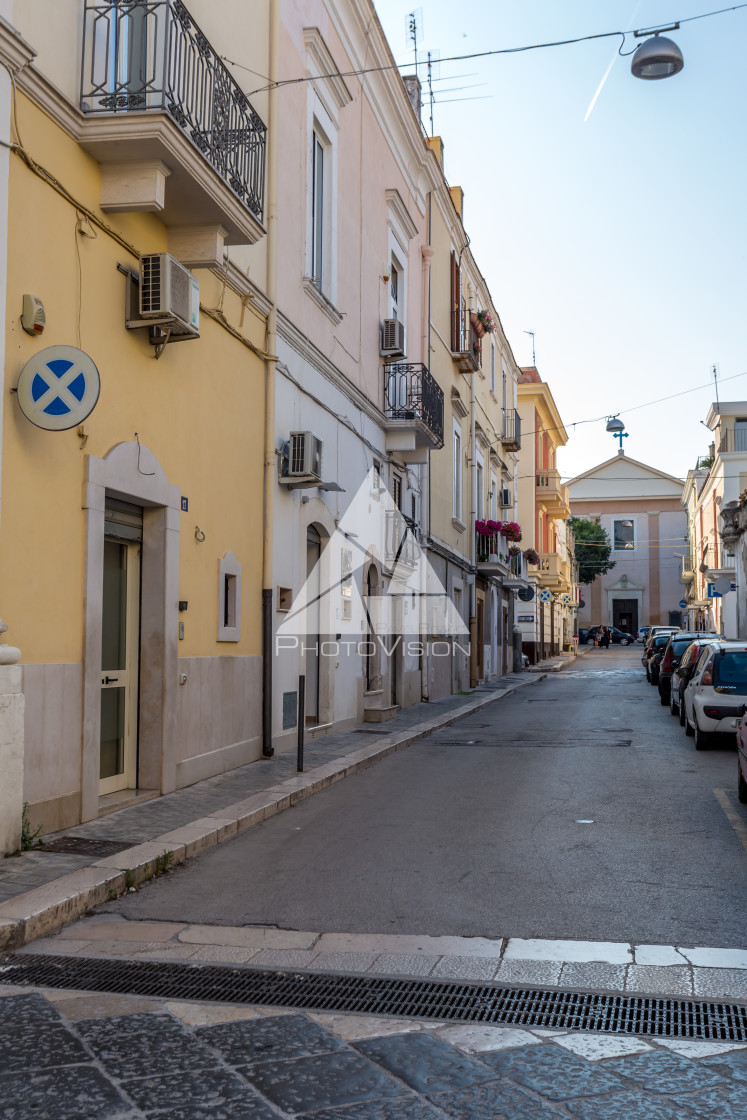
(424, 999)
(83, 846)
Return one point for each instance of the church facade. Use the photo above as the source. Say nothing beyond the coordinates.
(640, 508)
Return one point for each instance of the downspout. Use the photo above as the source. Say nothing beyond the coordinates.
(270, 467)
(425, 351)
(474, 637)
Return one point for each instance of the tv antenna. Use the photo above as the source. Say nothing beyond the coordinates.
(714, 371)
(531, 334)
(414, 31)
(434, 59)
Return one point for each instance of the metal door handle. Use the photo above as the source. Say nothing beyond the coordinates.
(109, 680)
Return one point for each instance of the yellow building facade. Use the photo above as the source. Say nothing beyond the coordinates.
(548, 618)
(131, 537)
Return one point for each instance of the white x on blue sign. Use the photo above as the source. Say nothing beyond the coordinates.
(58, 388)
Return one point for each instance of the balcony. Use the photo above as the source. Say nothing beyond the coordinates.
(551, 493)
(492, 554)
(511, 437)
(414, 407)
(732, 439)
(519, 576)
(173, 131)
(687, 570)
(465, 341)
(554, 572)
(401, 546)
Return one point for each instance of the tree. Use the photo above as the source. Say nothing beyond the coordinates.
(593, 548)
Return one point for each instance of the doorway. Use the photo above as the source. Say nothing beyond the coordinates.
(311, 655)
(625, 615)
(120, 647)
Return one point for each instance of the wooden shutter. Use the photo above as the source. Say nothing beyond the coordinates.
(456, 291)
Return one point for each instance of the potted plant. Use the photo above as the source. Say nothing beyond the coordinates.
(485, 321)
(532, 555)
(511, 530)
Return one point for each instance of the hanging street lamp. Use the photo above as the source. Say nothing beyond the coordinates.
(658, 57)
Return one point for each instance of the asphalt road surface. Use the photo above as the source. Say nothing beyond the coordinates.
(576, 808)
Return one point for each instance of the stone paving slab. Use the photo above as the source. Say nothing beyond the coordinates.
(469, 959)
(44, 890)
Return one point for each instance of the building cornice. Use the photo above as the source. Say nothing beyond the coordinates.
(15, 53)
(327, 75)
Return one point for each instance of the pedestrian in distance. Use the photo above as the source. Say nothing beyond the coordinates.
(605, 637)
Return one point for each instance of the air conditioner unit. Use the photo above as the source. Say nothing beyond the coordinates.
(393, 339)
(304, 456)
(169, 294)
(506, 500)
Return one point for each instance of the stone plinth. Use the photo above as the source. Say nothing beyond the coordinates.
(11, 755)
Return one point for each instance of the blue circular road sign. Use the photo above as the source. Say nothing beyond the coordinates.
(58, 388)
(683, 604)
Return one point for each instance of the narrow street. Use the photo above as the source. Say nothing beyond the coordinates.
(574, 809)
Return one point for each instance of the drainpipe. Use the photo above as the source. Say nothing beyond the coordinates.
(474, 637)
(270, 466)
(425, 351)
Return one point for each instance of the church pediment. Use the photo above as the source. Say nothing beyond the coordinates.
(625, 583)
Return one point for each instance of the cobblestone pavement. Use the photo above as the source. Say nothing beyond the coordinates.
(78, 1056)
(145, 821)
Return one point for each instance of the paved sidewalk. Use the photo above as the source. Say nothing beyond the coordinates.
(41, 891)
(76, 1055)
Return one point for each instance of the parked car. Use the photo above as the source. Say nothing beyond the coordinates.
(742, 760)
(647, 645)
(620, 637)
(673, 651)
(643, 633)
(716, 695)
(582, 635)
(653, 653)
(683, 673)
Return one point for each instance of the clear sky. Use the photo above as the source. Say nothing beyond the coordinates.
(619, 239)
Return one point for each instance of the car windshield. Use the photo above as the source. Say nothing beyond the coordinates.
(679, 647)
(731, 670)
(661, 640)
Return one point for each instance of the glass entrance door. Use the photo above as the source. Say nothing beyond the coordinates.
(119, 665)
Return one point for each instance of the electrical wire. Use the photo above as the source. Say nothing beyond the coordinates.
(478, 54)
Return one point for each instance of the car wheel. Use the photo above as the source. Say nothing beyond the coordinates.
(625, 641)
(590, 641)
(702, 740)
(664, 700)
(682, 713)
(673, 709)
(741, 785)
(688, 728)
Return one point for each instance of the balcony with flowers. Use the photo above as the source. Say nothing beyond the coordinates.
(498, 553)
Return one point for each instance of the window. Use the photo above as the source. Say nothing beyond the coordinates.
(457, 476)
(480, 491)
(229, 599)
(493, 496)
(376, 483)
(317, 212)
(397, 491)
(394, 289)
(623, 534)
(492, 367)
(346, 583)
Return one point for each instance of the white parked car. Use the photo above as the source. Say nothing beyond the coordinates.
(717, 692)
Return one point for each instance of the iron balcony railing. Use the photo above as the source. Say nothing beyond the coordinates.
(518, 565)
(465, 340)
(491, 548)
(687, 569)
(150, 55)
(401, 546)
(512, 429)
(412, 393)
